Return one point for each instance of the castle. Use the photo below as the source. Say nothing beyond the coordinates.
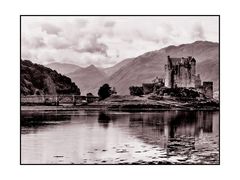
(181, 72)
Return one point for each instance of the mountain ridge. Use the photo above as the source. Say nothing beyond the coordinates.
(63, 68)
(85, 78)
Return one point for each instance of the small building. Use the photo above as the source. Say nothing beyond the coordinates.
(148, 88)
(91, 99)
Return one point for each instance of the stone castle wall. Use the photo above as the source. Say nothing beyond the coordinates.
(181, 72)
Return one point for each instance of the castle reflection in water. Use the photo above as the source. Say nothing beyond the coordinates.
(175, 131)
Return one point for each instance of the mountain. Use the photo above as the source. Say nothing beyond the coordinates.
(146, 67)
(111, 70)
(63, 68)
(38, 79)
(87, 77)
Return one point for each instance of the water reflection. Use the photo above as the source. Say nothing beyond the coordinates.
(32, 121)
(89, 137)
(177, 132)
(172, 124)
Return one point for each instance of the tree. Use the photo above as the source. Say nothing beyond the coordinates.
(136, 91)
(104, 91)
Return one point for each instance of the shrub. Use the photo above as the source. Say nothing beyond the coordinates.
(136, 91)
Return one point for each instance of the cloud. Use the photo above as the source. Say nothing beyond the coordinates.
(104, 41)
(91, 45)
(81, 23)
(162, 34)
(58, 42)
(50, 29)
(198, 32)
(109, 24)
(33, 42)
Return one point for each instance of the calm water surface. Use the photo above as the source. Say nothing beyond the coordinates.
(107, 137)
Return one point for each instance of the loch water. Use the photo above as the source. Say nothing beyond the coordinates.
(109, 137)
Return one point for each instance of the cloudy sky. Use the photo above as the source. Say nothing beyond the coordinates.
(105, 41)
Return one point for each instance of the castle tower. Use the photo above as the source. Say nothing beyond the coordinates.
(181, 72)
(193, 66)
(192, 72)
(168, 73)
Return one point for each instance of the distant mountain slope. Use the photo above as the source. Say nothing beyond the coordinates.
(146, 67)
(87, 77)
(209, 70)
(63, 68)
(111, 70)
(36, 78)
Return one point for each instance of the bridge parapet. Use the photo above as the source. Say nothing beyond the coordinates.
(57, 99)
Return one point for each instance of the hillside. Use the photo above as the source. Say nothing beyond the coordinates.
(38, 79)
(111, 70)
(86, 78)
(146, 67)
(63, 68)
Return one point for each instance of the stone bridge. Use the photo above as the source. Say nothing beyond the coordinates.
(57, 99)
